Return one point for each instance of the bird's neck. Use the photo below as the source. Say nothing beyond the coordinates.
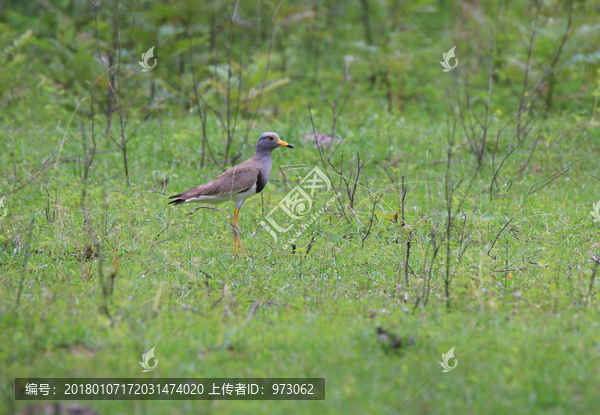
(263, 156)
(264, 161)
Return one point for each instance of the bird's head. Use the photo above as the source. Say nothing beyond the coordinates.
(269, 142)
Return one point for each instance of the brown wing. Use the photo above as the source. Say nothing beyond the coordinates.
(232, 181)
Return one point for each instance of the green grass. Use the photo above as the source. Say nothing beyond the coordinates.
(527, 340)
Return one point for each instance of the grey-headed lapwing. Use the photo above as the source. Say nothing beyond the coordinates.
(238, 183)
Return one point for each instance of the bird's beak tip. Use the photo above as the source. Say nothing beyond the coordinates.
(282, 143)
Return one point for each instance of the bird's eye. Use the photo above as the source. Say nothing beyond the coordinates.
(271, 138)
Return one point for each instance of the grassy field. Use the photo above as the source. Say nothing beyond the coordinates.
(456, 217)
(523, 314)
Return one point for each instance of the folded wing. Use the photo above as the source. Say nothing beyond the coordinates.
(229, 183)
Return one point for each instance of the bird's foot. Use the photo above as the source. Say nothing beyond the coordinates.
(246, 257)
(238, 243)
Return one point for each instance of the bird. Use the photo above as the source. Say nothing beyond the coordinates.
(391, 341)
(388, 339)
(237, 184)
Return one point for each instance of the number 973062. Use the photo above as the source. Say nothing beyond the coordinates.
(293, 389)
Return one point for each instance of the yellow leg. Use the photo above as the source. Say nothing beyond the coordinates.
(234, 227)
(236, 215)
(239, 242)
(236, 237)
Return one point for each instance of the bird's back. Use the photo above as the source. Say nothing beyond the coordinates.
(235, 180)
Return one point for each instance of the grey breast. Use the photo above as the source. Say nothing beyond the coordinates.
(264, 161)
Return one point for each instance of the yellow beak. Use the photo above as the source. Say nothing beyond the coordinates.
(282, 143)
